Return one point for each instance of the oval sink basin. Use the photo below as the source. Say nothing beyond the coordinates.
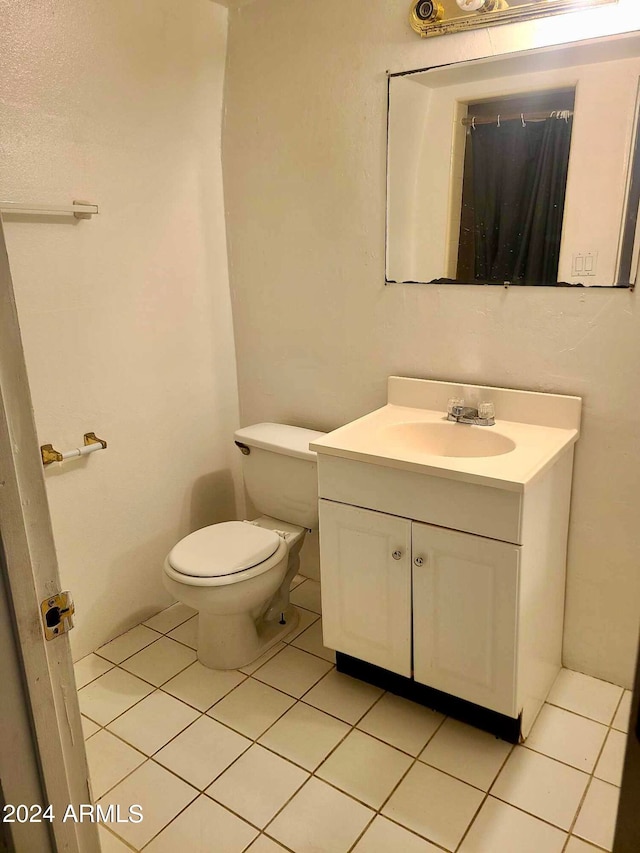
(449, 439)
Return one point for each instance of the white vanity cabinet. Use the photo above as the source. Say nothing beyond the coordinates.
(460, 634)
(443, 571)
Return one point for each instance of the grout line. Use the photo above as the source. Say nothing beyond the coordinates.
(255, 741)
(167, 680)
(171, 640)
(578, 714)
(485, 798)
(198, 792)
(240, 683)
(284, 805)
(331, 751)
(592, 774)
(186, 619)
(317, 681)
(411, 766)
(190, 803)
(85, 739)
(326, 675)
(120, 839)
(408, 829)
(590, 844)
(137, 702)
(272, 651)
(378, 811)
(124, 740)
(311, 775)
(201, 713)
(579, 809)
(217, 775)
(203, 794)
(615, 714)
(525, 812)
(234, 813)
(275, 841)
(617, 708)
(137, 651)
(588, 785)
(560, 761)
(182, 642)
(239, 731)
(352, 727)
(95, 678)
(219, 699)
(126, 776)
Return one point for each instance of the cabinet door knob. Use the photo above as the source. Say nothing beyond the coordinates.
(397, 555)
(419, 561)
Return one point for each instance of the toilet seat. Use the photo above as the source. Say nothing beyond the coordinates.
(225, 553)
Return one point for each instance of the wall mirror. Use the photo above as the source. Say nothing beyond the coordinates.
(521, 169)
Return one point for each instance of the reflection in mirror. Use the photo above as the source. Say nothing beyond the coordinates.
(513, 188)
(516, 169)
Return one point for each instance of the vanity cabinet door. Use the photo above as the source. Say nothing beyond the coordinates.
(366, 585)
(465, 604)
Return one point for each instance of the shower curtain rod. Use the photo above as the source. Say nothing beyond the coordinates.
(472, 121)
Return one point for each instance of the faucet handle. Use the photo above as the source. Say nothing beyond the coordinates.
(486, 411)
(453, 404)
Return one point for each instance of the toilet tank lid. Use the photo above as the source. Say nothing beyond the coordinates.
(280, 438)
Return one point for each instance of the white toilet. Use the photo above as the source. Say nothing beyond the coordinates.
(237, 574)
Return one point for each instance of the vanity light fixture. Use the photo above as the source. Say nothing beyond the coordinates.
(438, 17)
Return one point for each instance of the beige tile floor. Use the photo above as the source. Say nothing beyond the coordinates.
(289, 754)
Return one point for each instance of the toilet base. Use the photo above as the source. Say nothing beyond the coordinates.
(235, 640)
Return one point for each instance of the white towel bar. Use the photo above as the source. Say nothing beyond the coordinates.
(79, 209)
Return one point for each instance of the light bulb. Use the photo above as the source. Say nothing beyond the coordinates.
(470, 5)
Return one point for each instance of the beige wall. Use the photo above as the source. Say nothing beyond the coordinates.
(125, 318)
(318, 332)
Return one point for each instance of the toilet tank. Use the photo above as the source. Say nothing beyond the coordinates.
(280, 472)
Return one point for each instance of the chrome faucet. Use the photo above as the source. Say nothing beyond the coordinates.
(484, 415)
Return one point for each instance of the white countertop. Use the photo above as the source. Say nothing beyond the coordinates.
(537, 445)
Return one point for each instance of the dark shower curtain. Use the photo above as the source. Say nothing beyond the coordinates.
(519, 184)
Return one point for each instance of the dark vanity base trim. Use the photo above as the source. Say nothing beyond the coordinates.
(491, 721)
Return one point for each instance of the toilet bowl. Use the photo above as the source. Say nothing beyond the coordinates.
(238, 574)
